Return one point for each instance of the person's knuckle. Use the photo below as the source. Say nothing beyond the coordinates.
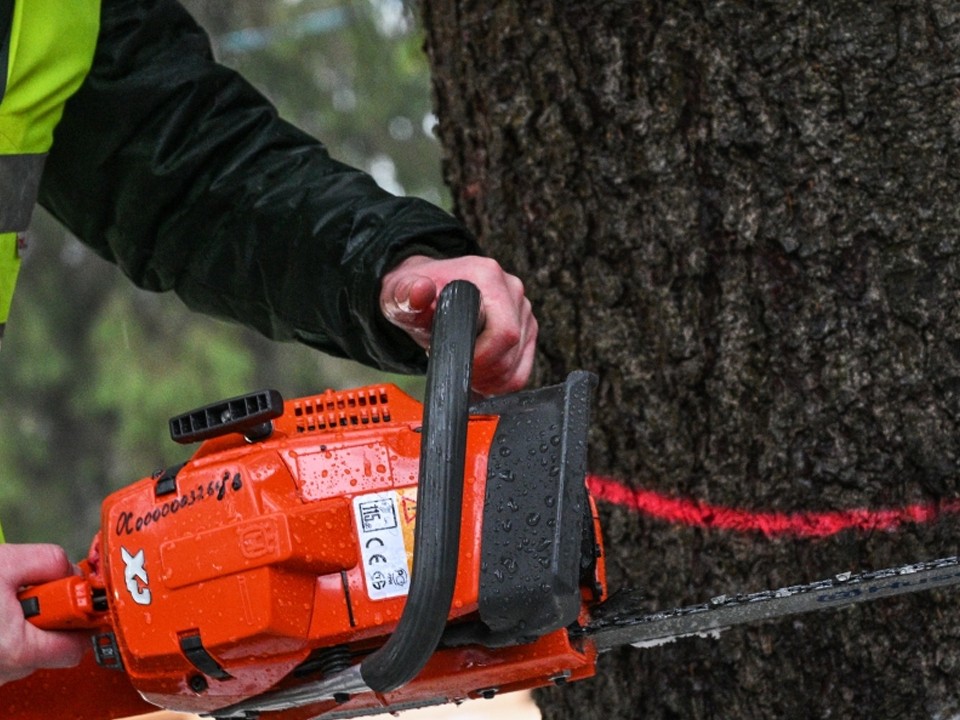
(532, 325)
(515, 285)
(510, 338)
(487, 268)
(56, 555)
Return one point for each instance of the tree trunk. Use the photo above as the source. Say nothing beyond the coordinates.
(743, 216)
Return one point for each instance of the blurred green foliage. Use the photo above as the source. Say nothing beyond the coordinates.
(91, 368)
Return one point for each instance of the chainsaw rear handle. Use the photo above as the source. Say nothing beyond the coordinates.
(439, 495)
(70, 603)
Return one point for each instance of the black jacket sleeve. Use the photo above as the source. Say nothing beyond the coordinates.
(176, 169)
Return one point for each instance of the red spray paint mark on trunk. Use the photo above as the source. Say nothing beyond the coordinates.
(799, 524)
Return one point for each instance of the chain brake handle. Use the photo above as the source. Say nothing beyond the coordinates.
(440, 495)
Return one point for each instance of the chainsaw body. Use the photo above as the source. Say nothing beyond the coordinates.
(275, 558)
(340, 555)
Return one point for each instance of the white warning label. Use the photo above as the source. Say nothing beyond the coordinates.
(382, 549)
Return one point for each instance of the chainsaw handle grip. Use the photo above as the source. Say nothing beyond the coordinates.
(439, 495)
(65, 604)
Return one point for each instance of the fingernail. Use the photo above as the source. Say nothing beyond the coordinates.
(402, 297)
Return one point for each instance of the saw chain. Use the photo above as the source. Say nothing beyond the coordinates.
(617, 622)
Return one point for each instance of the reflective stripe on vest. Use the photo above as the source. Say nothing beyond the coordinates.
(19, 183)
(47, 49)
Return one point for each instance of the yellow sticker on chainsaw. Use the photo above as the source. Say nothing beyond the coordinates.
(385, 524)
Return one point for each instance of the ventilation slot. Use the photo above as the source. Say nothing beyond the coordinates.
(342, 410)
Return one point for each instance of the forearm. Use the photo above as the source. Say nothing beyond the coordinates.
(177, 170)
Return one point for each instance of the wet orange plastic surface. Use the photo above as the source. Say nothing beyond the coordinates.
(254, 555)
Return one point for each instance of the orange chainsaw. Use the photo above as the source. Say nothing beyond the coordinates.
(356, 552)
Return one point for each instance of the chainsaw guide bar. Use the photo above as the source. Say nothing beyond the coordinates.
(616, 622)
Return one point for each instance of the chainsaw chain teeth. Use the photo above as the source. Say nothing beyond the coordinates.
(614, 623)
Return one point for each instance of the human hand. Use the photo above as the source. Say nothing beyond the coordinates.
(504, 353)
(23, 647)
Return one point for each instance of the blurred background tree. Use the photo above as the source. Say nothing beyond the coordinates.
(92, 368)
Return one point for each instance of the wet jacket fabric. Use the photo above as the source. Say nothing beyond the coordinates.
(177, 170)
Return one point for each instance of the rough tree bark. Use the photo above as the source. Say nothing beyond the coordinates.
(743, 216)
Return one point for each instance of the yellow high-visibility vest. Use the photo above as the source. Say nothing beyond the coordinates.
(46, 50)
